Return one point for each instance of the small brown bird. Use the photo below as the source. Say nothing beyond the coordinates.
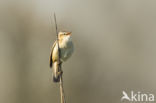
(66, 49)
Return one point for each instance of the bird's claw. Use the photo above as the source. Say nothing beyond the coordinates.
(59, 63)
(60, 72)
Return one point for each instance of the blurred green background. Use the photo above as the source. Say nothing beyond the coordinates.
(114, 49)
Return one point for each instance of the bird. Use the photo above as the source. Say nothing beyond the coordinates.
(66, 49)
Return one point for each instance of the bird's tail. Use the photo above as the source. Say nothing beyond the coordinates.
(56, 76)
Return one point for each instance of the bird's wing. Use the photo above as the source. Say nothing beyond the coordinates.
(50, 59)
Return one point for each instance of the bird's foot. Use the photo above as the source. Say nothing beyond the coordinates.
(60, 72)
(60, 63)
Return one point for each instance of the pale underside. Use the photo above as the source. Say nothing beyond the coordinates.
(65, 50)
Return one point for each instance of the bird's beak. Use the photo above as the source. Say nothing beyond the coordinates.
(69, 33)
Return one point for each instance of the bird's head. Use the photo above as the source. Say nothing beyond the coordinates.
(64, 35)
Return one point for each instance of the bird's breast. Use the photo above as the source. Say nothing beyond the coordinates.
(66, 50)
